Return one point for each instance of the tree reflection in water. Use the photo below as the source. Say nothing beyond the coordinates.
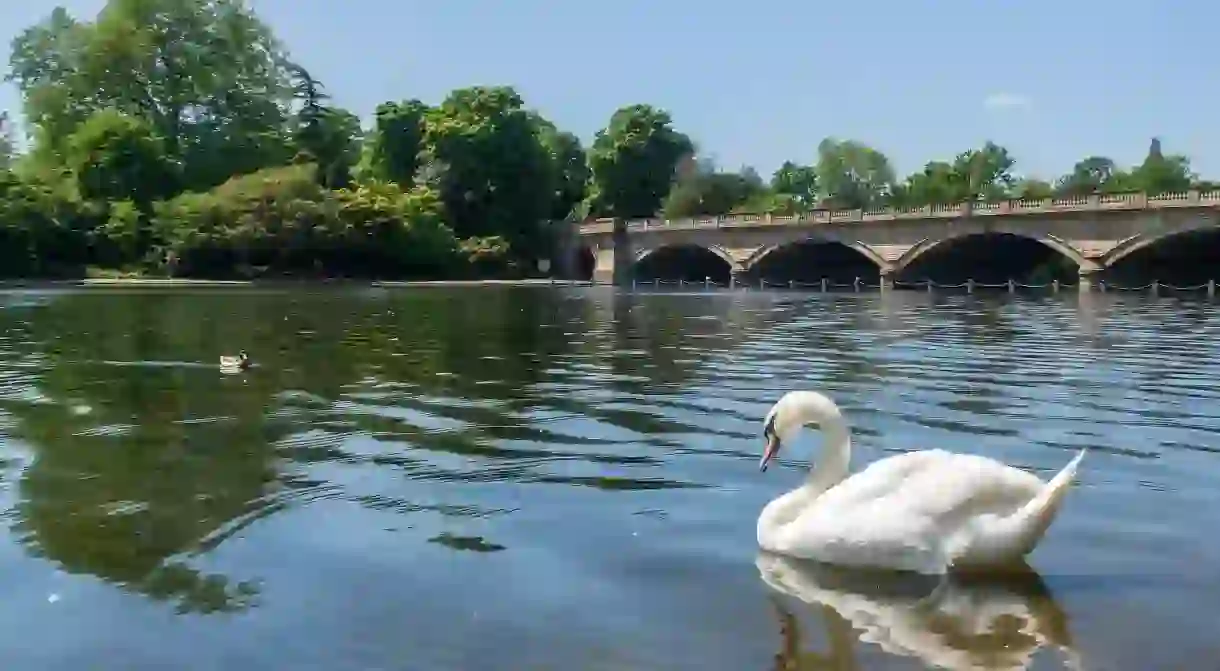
(145, 458)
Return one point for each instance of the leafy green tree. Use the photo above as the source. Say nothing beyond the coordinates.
(117, 157)
(705, 191)
(852, 175)
(1161, 173)
(571, 169)
(487, 160)
(392, 151)
(1094, 174)
(1030, 188)
(978, 174)
(937, 184)
(985, 173)
(7, 147)
(324, 135)
(800, 182)
(633, 162)
(206, 75)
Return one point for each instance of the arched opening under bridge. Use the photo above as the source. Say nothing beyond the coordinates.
(990, 258)
(1185, 259)
(689, 263)
(584, 264)
(808, 262)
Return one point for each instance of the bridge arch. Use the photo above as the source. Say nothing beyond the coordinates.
(1187, 255)
(814, 258)
(991, 257)
(684, 261)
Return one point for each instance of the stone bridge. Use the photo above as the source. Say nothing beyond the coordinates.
(1088, 236)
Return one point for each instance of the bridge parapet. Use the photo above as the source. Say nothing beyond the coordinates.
(1075, 204)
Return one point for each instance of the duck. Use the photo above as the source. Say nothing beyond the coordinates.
(927, 511)
(241, 361)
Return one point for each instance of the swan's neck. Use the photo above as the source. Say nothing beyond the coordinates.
(825, 473)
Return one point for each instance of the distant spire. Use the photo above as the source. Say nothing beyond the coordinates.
(1154, 149)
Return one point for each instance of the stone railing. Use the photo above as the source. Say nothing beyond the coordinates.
(1093, 203)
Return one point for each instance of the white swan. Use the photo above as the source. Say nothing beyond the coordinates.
(930, 511)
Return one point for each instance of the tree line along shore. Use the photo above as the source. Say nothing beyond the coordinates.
(179, 138)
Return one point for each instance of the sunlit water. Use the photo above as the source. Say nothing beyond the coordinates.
(536, 478)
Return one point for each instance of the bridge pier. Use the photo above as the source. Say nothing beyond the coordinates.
(1087, 278)
(614, 263)
(887, 279)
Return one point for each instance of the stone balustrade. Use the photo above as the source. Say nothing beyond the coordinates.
(1091, 203)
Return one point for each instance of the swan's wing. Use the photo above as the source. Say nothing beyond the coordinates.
(935, 484)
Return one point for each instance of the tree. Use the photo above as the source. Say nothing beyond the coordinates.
(117, 157)
(852, 175)
(706, 191)
(978, 174)
(7, 148)
(937, 184)
(984, 174)
(570, 166)
(1095, 174)
(633, 161)
(326, 136)
(484, 155)
(393, 148)
(798, 181)
(1162, 174)
(1030, 188)
(206, 75)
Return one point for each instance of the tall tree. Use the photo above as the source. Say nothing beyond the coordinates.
(570, 167)
(206, 75)
(484, 154)
(852, 175)
(798, 181)
(985, 173)
(324, 135)
(115, 156)
(1030, 188)
(7, 146)
(937, 184)
(392, 151)
(1094, 174)
(705, 191)
(633, 162)
(1161, 173)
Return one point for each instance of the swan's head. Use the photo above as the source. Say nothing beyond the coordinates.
(795, 410)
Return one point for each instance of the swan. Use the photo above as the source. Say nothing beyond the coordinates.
(929, 511)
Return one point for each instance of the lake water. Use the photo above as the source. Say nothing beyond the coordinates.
(566, 478)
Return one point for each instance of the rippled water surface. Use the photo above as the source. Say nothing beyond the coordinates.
(548, 478)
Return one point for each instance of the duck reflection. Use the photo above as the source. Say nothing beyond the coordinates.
(948, 623)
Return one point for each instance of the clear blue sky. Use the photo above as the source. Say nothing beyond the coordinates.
(762, 81)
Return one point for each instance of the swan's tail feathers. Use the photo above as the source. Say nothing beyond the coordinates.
(1008, 539)
(1030, 523)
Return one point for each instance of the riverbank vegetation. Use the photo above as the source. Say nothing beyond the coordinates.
(179, 137)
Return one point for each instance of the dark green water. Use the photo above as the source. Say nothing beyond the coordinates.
(536, 478)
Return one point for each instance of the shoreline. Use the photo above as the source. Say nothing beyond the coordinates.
(180, 283)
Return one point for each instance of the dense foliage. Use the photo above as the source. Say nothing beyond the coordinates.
(178, 137)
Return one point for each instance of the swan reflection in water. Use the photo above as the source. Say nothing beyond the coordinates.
(947, 622)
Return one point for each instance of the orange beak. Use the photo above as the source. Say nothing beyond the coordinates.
(769, 453)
